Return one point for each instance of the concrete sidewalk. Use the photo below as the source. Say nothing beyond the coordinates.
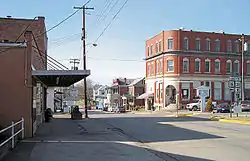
(66, 140)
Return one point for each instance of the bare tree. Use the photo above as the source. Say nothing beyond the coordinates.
(80, 87)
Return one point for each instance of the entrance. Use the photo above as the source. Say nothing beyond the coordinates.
(170, 95)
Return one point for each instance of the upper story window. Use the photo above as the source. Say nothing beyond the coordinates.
(151, 49)
(217, 66)
(148, 51)
(160, 46)
(248, 47)
(229, 46)
(156, 47)
(149, 69)
(236, 46)
(185, 43)
(197, 65)
(207, 44)
(170, 65)
(157, 66)
(170, 43)
(236, 66)
(198, 44)
(248, 67)
(185, 65)
(229, 66)
(207, 65)
(217, 45)
(160, 64)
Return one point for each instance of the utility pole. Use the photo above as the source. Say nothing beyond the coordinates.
(74, 62)
(83, 8)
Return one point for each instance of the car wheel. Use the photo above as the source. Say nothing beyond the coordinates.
(195, 108)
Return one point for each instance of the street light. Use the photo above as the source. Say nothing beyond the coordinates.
(243, 49)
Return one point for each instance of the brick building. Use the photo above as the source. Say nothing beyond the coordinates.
(179, 61)
(24, 74)
(135, 89)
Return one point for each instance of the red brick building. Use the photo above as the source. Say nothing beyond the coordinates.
(24, 74)
(178, 61)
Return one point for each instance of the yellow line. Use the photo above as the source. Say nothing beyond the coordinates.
(235, 121)
(182, 115)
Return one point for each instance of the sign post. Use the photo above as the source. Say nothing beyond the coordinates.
(235, 87)
(203, 92)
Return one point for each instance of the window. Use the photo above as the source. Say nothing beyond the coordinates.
(207, 65)
(217, 90)
(170, 43)
(229, 66)
(248, 48)
(160, 46)
(148, 51)
(185, 93)
(185, 44)
(236, 66)
(227, 92)
(207, 44)
(248, 67)
(161, 91)
(160, 70)
(156, 47)
(217, 45)
(229, 46)
(217, 66)
(157, 66)
(197, 65)
(195, 96)
(151, 49)
(198, 44)
(236, 46)
(157, 93)
(170, 64)
(149, 72)
(185, 65)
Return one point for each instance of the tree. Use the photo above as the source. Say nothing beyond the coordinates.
(80, 88)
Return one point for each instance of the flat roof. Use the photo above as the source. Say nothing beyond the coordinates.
(60, 78)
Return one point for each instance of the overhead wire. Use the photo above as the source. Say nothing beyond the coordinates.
(52, 28)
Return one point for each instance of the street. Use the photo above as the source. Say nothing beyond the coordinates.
(145, 137)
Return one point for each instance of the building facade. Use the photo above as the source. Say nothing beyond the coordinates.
(136, 88)
(179, 61)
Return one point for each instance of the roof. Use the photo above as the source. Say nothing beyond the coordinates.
(136, 81)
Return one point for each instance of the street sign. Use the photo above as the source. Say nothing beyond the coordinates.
(237, 90)
(237, 84)
(237, 79)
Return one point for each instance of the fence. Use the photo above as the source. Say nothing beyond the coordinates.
(13, 133)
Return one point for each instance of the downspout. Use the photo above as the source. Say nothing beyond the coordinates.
(163, 89)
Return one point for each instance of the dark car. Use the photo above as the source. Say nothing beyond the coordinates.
(223, 108)
(120, 109)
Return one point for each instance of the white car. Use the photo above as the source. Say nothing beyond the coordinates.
(196, 106)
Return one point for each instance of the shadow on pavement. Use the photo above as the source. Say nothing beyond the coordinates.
(105, 139)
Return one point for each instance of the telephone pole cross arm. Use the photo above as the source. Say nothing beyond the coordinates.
(83, 8)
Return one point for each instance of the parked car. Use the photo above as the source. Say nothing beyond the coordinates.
(223, 108)
(245, 105)
(120, 109)
(196, 106)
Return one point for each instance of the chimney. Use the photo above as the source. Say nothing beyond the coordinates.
(8, 16)
(125, 79)
(41, 18)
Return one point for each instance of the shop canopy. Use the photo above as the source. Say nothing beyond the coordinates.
(59, 78)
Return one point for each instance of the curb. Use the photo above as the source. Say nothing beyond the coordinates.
(182, 115)
(235, 121)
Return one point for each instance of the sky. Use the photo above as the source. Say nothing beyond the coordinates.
(121, 48)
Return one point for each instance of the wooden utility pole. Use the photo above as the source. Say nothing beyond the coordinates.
(83, 8)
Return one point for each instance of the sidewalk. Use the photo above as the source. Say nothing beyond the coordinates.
(66, 140)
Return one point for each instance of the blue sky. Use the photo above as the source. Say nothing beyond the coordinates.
(125, 39)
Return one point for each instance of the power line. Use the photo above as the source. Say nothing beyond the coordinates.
(111, 20)
(112, 59)
(50, 28)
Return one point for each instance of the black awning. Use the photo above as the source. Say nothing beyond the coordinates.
(60, 78)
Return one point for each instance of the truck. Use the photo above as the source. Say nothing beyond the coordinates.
(197, 106)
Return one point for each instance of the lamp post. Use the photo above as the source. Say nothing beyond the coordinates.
(243, 49)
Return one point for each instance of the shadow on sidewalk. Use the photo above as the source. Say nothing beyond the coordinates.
(98, 139)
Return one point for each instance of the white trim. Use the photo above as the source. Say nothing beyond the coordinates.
(229, 61)
(207, 39)
(206, 60)
(217, 60)
(236, 61)
(197, 38)
(13, 45)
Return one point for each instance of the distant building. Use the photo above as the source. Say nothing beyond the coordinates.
(136, 88)
(179, 61)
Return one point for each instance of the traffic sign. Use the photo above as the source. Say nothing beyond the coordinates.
(237, 84)
(231, 84)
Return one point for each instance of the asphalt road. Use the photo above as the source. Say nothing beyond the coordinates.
(133, 137)
(187, 138)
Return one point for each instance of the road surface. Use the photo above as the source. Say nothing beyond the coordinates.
(133, 137)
